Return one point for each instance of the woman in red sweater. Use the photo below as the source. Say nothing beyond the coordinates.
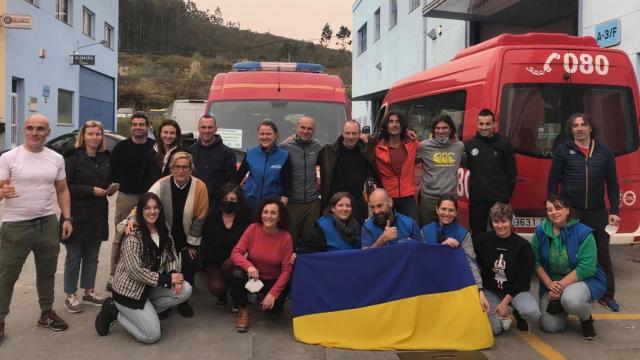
(263, 253)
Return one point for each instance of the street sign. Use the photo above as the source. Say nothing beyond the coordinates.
(12, 21)
(607, 34)
(83, 59)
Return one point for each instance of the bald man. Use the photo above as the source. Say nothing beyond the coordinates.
(387, 226)
(304, 203)
(30, 175)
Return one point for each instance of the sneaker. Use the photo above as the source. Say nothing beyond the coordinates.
(588, 331)
(521, 324)
(609, 303)
(109, 288)
(235, 310)
(106, 317)
(164, 314)
(93, 299)
(185, 310)
(222, 300)
(72, 304)
(242, 321)
(49, 319)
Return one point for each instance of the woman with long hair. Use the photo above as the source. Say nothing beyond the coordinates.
(87, 168)
(147, 280)
(158, 158)
(337, 229)
(263, 253)
(222, 230)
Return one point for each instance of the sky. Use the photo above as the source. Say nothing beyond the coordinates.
(297, 19)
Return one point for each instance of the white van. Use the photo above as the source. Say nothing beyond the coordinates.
(187, 113)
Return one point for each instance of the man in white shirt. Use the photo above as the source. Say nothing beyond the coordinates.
(31, 178)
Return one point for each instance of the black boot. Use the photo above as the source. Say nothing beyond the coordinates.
(185, 310)
(106, 317)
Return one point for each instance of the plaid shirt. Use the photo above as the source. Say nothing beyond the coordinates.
(132, 277)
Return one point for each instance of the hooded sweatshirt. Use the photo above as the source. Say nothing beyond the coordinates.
(440, 163)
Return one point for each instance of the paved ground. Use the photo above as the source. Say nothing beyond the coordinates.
(211, 334)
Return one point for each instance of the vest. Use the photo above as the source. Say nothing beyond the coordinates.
(435, 234)
(403, 223)
(332, 236)
(264, 174)
(573, 237)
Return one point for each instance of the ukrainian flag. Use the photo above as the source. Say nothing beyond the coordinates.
(406, 296)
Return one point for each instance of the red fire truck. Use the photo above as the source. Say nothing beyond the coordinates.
(534, 82)
(280, 92)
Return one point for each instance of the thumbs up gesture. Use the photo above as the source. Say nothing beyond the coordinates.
(390, 232)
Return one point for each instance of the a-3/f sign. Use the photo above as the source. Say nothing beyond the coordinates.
(83, 59)
(608, 33)
(12, 21)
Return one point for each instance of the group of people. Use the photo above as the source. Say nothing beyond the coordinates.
(179, 211)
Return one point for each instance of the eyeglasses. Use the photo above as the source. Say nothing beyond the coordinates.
(150, 208)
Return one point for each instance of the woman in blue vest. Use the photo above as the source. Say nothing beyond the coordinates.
(567, 266)
(337, 229)
(446, 231)
(268, 167)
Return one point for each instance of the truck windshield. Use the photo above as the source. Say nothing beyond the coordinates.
(534, 116)
(238, 121)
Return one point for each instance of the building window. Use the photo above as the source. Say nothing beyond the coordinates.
(376, 25)
(393, 13)
(87, 22)
(65, 103)
(63, 8)
(362, 39)
(108, 35)
(414, 5)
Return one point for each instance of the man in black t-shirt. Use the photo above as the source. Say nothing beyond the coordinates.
(126, 161)
(506, 263)
(346, 165)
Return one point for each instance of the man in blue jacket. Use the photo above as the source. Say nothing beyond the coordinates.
(582, 167)
(386, 226)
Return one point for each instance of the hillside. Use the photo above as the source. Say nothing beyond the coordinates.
(171, 50)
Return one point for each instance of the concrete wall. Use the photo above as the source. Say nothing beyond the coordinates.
(58, 40)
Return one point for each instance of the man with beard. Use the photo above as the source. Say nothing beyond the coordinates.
(126, 160)
(387, 226)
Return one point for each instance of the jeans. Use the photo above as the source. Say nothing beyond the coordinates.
(143, 324)
(575, 300)
(17, 240)
(239, 293)
(598, 220)
(524, 303)
(407, 206)
(85, 254)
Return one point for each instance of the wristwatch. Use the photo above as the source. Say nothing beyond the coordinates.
(69, 219)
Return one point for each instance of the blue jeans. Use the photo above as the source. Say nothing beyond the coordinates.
(144, 324)
(407, 206)
(79, 254)
(575, 300)
(524, 303)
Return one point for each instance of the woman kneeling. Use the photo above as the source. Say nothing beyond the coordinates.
(567, 266)
(146, 281)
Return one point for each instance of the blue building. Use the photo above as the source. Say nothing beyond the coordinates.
(37, 73)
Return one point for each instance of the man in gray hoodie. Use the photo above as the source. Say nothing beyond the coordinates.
(304, 203)
(441, 156)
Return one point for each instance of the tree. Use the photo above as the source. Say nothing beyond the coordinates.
(216, 18)
(344, 37)
(325, 37)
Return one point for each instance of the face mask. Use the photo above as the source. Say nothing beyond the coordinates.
(229, 207)
(441, 141)
(381, 219)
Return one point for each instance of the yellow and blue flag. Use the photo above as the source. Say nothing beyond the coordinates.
(406, 296)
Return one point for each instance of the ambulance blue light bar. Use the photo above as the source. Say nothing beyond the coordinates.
(278, 66)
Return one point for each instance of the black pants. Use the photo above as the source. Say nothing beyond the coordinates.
(239, 293)
(189, 267)
(479, 216)
(407, 206)
(598, 220)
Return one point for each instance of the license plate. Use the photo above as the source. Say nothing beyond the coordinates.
(526, 222)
